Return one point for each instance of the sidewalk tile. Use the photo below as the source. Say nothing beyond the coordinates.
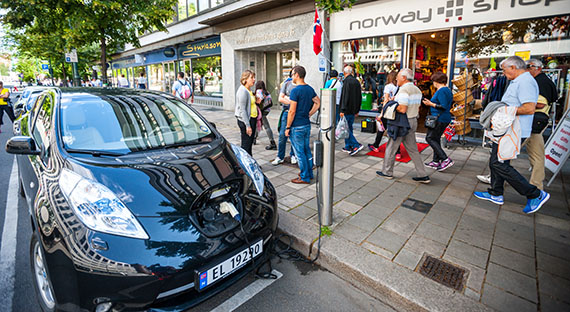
(421, 244)
(365, 221)
(516, 230)
(305, 193)
(446, 219)
(552, 233)
(475, 238)
(387, 240)
(278, 181)
(361, 199)
(477, 224)
(548, 303)
(476, 275)
(472, 294)
(503, 301)
(513, 243)
(348, 206)
(554, 286)
(343, 175)
(291, 201)
(554, 222)
(378, 250)
(303, 212)
(338, 217)
(467, 253)
(377, 210)
(425, 196)
(515, 261)
(352, 233)
(284, 190)
(408, 258)
(295, 186)
(434, 232)
(514, 217)
(349, 186)
(403, 221)
(511, 281)
(553, 248)
(553, 265)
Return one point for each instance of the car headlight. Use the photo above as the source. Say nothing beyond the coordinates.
(251, 168)
(97, 207)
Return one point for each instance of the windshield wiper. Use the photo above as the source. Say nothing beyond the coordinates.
(95, 153)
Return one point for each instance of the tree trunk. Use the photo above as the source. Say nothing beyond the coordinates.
(63, 71)
(103, 57)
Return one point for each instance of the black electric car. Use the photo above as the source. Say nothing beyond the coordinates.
(136, 202)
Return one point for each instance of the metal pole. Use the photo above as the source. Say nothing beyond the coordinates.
(76, 81)
(326, 136)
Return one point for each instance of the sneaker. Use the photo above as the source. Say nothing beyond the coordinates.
(373, 148)
(271, 146)
(445, 164)
(356, 150)
(293, 160)
(346, 150)
(424, 180)
(492, 198)
(277, 161)
(485, 178)
(532, 205)
(398, 156)
(433, 164)
(382, 174)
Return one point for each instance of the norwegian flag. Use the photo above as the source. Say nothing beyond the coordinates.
(317, 34)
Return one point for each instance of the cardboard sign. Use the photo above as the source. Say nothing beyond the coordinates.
(558, 146)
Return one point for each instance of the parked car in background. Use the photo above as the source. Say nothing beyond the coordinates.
(136, 201)
(25, 100)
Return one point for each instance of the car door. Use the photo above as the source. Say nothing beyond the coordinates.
(39, 127)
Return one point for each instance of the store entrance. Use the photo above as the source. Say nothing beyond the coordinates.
(427, 53)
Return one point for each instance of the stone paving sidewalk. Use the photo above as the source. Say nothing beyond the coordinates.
(515, 262)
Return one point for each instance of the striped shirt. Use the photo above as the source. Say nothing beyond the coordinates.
(410, 96)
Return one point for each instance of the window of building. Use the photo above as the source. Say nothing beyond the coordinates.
(182, 10)
(207, 76)
(203, 5)
(156, 77)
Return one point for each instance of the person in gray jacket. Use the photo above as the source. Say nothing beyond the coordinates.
(246, 110)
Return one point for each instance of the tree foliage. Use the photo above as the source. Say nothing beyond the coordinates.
(333, 6)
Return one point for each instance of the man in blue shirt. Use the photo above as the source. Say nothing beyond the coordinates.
(522, 93)
(304, 103)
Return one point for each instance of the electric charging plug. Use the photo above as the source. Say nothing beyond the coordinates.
(226, 207)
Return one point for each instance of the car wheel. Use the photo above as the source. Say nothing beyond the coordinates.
(42, 283)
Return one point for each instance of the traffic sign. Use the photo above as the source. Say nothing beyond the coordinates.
(45, 66)
(71, 57)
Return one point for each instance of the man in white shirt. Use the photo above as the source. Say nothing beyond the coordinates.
(123, 82)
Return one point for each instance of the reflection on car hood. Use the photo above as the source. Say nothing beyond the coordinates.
(163, 182)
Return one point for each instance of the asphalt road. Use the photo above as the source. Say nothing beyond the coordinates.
(301, 287)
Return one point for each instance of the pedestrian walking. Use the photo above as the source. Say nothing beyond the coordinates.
(440, 105)
(335, 83)
(304, 103)
(286, 87)
(181, 88)
(350, 101)
(246, 110)
(408, 100)
(264, 102)
(389, 92)
(123, 82)
(4, 107)
(142, 82)
(522, 93)
(548, 94)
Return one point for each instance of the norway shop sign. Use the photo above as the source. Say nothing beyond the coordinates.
(387, 17)
(201, 48)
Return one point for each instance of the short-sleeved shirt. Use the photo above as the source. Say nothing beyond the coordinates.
(303, 95)
(141, 80)
(410, 96)
(522, 89)
(253, 107)
(286, 89)
(3, 100)
(443, 97)
(390, 89)
(177, 86)
(335, 84)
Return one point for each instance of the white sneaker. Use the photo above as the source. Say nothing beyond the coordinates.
(293, 160)
(485, 178)
(277, 161)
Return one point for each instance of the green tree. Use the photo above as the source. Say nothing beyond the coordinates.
(333, 6)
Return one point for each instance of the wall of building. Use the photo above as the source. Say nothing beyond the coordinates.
(242, 46)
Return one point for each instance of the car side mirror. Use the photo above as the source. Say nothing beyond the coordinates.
(21, 145)
(213, 125)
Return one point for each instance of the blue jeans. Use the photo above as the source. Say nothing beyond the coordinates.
(300, 141)
(282, 145)
(351, 142)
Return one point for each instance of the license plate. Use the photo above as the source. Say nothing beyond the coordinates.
(213, 274)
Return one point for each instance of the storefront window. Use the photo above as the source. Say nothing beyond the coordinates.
(482, 48)
(207, 77)
(203, 5)
(156, 77)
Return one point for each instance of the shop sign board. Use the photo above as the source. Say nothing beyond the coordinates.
(378, 18)
(201, 48)
(558, 146)
(525, 55)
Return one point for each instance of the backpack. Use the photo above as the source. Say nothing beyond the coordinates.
(185, 91)
(267, 102)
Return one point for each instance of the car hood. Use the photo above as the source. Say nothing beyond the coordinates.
(166, 182)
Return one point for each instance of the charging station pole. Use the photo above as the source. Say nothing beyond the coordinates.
(327, 137)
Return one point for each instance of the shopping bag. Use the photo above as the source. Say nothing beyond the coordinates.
(341, 131)
(449, 132)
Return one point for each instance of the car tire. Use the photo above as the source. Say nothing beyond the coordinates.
(40, 276)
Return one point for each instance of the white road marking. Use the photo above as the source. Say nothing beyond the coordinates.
(247, 293)
(8, 248)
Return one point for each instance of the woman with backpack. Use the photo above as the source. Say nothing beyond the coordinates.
(264, 102)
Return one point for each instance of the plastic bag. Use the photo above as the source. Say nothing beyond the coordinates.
(449, 132)
(341, 131)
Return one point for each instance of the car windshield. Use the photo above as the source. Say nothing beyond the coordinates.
(129, 123)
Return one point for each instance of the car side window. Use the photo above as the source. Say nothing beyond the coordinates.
(42, 125)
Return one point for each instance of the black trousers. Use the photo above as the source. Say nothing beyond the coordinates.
(9, 112)
(501, 172)
(247, 140)
(433, 138)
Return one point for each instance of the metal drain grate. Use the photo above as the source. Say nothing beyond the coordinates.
(443, 272)
(417, 205)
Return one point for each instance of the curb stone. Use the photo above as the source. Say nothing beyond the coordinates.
(395, 285)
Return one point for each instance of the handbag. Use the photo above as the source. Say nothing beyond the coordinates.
(431, 121)
(390, 111)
